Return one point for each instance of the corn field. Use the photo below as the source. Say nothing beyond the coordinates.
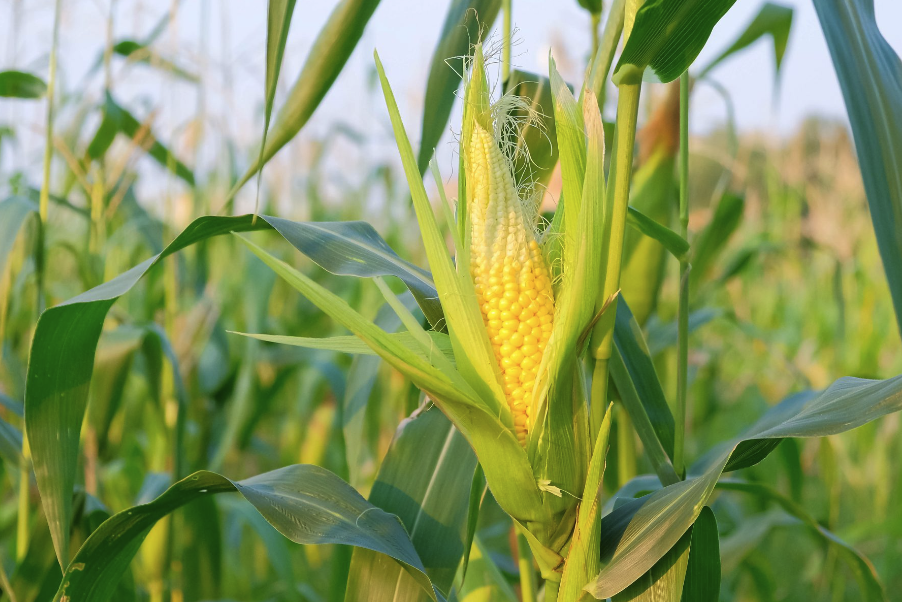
(553, 345)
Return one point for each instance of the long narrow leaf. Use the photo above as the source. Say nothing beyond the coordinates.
(467, 22)
(331, 50)
(17, 84)
(639, 377)
(583, 561)
(774, 20)
(861, 567)
(656, 523)
(278, 21)
(870, 75)
(702, 582)
(667, 36)
(468, 334)
(116, 120)
(424, 480)
(65, 341)
(307, 504)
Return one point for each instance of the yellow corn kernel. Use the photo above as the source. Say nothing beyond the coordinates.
(517, 304)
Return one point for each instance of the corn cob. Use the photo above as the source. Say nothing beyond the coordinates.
(512, 280)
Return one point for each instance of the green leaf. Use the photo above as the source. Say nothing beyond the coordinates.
(661, 336)
(117, 120)
(583, 558)
(352, 344)
(664, 582)
(667, 36)
(711, 241)
(420, 371)
(653, 193)
(331, 50)
(484, 582)
(16, 84)
(673, 242)
(478, 489)
(59, 376)
(507, 467)
(356, 249)
(870, 75)
(637, 381)
(656, 523)
(774, 20)
(65, 341)
(702, 582)
(425, 480)
(307, 504)
(864, 571)
(278, 21)
(137, 52)
(466, 22)
(14, 211)
(472, 349)
(359, 385)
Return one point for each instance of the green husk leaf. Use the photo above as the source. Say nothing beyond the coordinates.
(571, 143)
(583, 558)
(561, 449)
(353, 345)
(472, 349)
(508, 469)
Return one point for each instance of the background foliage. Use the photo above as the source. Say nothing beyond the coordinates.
(788, 293)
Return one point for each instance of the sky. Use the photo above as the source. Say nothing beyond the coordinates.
(224, 41)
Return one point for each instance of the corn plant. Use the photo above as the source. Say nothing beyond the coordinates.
(525, 357)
